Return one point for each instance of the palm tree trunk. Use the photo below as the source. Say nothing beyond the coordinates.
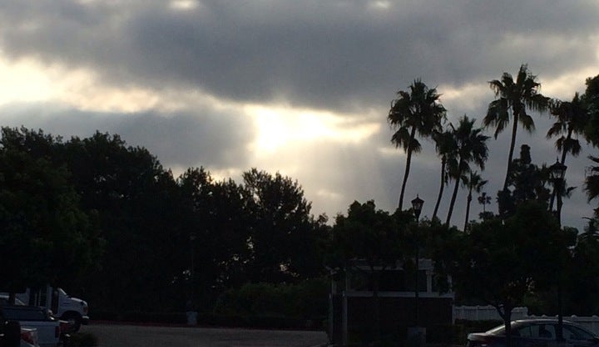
(511, 153)
(468, 208)
(441, 187)
(453, 198)
(407, 171)
(563, 162)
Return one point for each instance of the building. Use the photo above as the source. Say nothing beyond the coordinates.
(353, 301)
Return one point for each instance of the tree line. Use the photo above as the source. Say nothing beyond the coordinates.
(108, 221)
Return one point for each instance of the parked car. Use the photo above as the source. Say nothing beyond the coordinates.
(50, 331)
(29, 337)
(12, 334)
(535, 333)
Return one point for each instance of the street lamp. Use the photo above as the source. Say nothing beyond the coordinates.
(418, 332)
(417, 206)
(557, 172)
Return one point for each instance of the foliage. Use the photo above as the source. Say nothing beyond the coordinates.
(303, 300)
(283, 237)
(571, 117)
(445, 145)
(473, 182)
(584, 281)
(513, 98)
(592, 180)
(590, 100)
(83, 339)
(503, 261)
(414, 112)
(471, 148)
(526, 182)
(45, 237)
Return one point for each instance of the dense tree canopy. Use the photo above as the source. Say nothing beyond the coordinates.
(501, 261)
(45, 236)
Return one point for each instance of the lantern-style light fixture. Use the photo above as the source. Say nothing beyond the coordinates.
(557, 171)
(417, 206)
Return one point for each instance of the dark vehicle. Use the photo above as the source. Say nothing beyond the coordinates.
(535, 333)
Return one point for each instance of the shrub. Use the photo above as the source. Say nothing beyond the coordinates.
(83, 339)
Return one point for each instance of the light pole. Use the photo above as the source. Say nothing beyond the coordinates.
(418, 334)
(417, 208)
(557, 172)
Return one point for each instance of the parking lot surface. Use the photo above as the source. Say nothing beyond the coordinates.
(151, 336)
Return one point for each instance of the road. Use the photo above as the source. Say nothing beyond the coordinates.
(151, 336)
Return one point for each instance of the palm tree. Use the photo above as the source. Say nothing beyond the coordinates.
(591, 101)
(471, 148)
(418, 111)
(571, 119)
(484, 200)
(474, 182)
(591, 183)
(513, 98)
(445, 145)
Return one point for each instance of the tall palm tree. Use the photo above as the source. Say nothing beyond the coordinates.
(591, 183)
(414, 112)
(513, 98)
(444, 145)
(471, 148)
(571, 120)
(591, 100)
(484, 200)
(474, 182)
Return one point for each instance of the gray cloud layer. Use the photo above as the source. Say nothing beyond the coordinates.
(343, 56)
(326, 54)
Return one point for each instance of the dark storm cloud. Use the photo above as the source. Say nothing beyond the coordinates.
(351, 55)
(325, 54)
(180, 139)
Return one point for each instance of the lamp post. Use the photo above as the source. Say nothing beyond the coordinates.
(417, 208)
(557, 172)
(418, 334)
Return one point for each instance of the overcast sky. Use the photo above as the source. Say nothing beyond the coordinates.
(297, 87)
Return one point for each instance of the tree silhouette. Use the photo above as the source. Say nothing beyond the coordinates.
(471, 148)
(417, 112)
(474, 182)
(571, 120)
(484, 200)
(444, 145)
(513, 99)
(591, 102)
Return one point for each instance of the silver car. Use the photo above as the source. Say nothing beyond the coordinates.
(535, 333)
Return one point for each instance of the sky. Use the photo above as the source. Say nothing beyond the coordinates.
(302, 88)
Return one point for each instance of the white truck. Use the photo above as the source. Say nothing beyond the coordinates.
(73, 310)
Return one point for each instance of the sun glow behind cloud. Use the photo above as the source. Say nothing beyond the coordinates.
(23, 81)
(278, 127)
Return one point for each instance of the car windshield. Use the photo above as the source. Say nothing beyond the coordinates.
(498, 330)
